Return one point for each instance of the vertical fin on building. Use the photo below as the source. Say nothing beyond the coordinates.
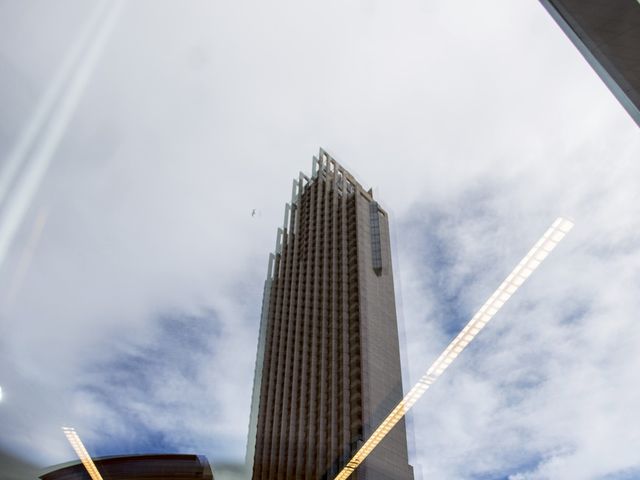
(323, 161)
(272, 260)
(257, 376)
(279, 241)
(287, 210)
(294, 191)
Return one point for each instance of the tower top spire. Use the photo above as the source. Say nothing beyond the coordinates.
(325, 164)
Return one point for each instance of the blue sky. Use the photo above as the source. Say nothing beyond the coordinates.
(130, 295)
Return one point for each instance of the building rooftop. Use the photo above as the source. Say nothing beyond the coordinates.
(132, 467)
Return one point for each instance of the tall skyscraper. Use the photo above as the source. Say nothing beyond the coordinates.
(607, 33)
(328, 366)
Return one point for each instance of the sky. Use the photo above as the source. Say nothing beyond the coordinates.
(145, 133)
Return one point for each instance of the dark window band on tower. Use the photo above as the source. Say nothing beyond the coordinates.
(376, 250)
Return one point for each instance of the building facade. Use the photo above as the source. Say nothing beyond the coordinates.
(607, 33)
(328, 366)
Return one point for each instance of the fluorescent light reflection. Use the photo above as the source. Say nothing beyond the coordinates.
(82, 453)
(514, 280)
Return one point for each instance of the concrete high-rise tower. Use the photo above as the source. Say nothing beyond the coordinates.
(328, 366)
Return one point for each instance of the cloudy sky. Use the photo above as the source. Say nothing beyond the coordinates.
(136, 138)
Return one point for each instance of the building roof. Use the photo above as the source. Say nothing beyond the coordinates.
(132, 467)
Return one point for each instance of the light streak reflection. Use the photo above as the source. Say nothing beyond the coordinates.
(27, 256)
(18, 155)
(33, 153)
(516, 278)
(82, 453)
